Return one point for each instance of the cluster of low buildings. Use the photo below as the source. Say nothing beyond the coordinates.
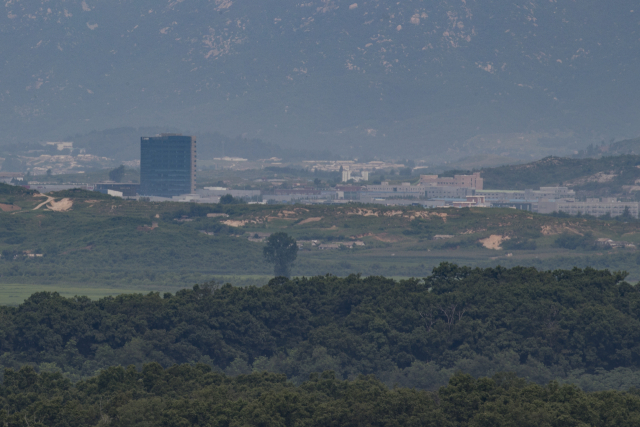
(459, 191)
(168, 173)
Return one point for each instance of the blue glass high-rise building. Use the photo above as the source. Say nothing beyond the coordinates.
(167, 165)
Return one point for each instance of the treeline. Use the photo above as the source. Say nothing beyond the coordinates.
(13, 190)
(578, 324)
(193, 395)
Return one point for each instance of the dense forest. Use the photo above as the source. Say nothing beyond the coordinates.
(194, 395)
(579, 325)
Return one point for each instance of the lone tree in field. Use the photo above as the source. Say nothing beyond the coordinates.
(281, 250)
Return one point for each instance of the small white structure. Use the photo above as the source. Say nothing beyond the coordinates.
(62, 145)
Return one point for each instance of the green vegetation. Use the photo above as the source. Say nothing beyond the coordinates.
(6, 189)
(281, 250)
(195, 396)
(78, 193)
(94, 176)
(578, 325)
(96, 240)
(117, 174)
(14, 294)
(575, 241)
(228, 199)
(603, 176)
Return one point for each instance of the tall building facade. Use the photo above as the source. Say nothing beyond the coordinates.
(167, 165)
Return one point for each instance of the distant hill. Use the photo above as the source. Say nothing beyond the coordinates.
(443, 79)
(627, 146)
(599, 176)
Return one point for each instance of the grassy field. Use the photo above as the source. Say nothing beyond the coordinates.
(14, 294)
(107, 243)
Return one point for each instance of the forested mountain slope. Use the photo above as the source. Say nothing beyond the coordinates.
(578, 325)
(397, 78)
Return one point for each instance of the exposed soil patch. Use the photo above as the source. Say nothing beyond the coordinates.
(362, 212)
(600, 177)
(49, 199)
(360, 236)
(441, 215)
(384, 237)
(419, 215)
(494, 241)
(61, 206)
(9, 208)
(573, 230)
(274, 218)
(471, 231)
(308, 220)
(234, 223)
(293, 213)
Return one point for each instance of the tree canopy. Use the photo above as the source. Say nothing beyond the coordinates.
(117, 174)
(281, 250)
(572, 325)
(194, 395)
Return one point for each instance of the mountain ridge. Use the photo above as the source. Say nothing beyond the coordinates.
(353, 76)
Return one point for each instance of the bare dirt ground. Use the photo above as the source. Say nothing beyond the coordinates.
(232, 223)
(49, 199)
(308, 220)
(600, 177)
(494, 241)
(9, 208)
(384, 237)
(61, 206)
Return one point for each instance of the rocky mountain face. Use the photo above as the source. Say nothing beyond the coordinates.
(444, 78)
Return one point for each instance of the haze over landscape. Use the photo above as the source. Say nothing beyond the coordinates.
(319, 213)
(449, 78)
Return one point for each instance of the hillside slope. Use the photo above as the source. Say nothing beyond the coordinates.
(603, 176)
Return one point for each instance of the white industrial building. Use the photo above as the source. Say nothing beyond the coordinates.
(594, 207)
